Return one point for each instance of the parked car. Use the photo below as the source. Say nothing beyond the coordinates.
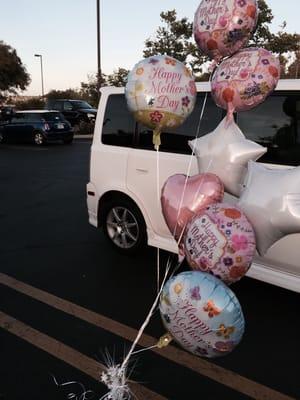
(6, 112)
(75, 111)
(124, 201)
(36, 126)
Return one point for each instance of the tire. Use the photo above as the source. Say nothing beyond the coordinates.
(38, 138)
(68, 141)
(124, 226)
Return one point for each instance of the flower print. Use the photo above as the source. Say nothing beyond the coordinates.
(241, 3)
(239, 259)
(240, 242)
(193, 89)
(201, 351)
(156, 116)
(140, 71)
(178, 288)
(228, 261)
(185, 101)
(211, 309)
(240, 22)
(224, 347)
(225, 331)
(232, 213)
(260, 76)
(195, 293)
(235, 35)
(265, 61)
(204, 264)
(170, 61)
(153, 61)
(237, 272)
(167, 318)
(230, 249)
(228, 232)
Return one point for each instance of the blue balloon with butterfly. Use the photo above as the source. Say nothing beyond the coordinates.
(202, 314)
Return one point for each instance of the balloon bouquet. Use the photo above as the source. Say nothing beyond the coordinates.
(217, 239)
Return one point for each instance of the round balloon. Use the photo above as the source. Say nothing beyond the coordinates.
(161, 93)
(220, 240)
(202, 314)
(222, 27)
(183, 196)
(244, 80)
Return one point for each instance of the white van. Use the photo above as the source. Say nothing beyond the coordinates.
(122, 192)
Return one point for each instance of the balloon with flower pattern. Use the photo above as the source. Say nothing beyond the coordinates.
(222, 27)
(202, 314)
(244, 80)
(161, 93)
(220, 240)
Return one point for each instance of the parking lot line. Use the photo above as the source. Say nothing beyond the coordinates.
(221, 375)
(67, 354)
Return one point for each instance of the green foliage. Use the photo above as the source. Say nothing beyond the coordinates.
(13, 74)
(64, 94)
(118, 78)
(35, 103)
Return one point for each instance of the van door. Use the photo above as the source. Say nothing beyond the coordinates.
(173, 158)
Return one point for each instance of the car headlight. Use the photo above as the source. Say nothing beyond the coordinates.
(91, 115)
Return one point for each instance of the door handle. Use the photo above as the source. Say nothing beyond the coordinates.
(142, 170)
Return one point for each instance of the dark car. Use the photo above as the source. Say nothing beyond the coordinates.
(75, 111)
(36, 126)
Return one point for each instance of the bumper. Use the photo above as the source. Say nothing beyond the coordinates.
(59, 135)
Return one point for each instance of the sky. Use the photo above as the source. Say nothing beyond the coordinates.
(65, 33)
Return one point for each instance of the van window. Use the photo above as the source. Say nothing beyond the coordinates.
(118, 123)
(176, 141)
(275, 125)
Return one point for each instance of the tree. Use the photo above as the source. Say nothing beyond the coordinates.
(64, 94)
(13, 74)
(118, 78)
(175, 39)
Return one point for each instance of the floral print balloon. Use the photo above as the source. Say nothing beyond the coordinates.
(244, 80)
(220, 240)
(202, 314)
(161, 93)
(222, 27)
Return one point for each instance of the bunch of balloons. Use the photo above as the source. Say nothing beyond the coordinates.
(217, 239)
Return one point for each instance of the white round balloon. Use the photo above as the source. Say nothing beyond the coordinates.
(161, 93)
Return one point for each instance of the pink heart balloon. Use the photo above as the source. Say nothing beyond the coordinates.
(199, 192)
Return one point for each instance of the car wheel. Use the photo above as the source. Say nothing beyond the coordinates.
(38, 138)
(124, 226)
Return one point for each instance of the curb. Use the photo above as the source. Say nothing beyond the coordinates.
(83, 137)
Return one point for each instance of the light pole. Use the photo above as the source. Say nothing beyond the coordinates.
(99, 74)
(42, 75)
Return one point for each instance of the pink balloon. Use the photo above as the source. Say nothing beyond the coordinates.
(222, 27)
(220, 240)
(244, 80)
(200, 191)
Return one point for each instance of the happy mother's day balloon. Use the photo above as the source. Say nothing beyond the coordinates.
(222, 27)
(244, 80)
(202, 314)
(161, 93)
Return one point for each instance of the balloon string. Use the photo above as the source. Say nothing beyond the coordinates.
(158, 203)
(147, 320)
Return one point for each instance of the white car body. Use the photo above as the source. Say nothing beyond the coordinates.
(133, 171)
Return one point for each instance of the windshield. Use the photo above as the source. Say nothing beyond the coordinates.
(53, 117)
(80, 104)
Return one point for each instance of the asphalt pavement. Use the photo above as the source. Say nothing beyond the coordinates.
(67, 299)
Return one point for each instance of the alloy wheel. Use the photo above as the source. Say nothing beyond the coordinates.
(38, 139)
(122, 227)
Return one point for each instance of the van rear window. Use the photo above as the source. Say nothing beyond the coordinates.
(275, 125)
(118, 124)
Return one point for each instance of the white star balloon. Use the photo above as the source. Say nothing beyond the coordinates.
(271, 201)
(226, 152)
